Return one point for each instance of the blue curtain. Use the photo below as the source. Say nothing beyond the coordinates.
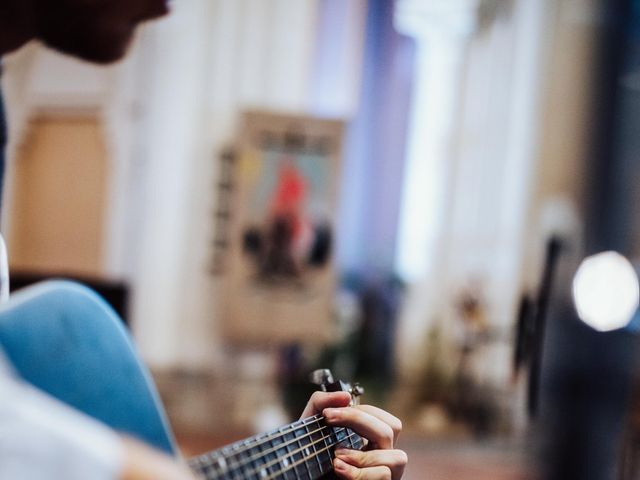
(375, 149)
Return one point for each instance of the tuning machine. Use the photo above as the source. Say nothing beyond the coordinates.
(327, 383)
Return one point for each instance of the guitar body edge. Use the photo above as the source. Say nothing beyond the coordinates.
(66, 340)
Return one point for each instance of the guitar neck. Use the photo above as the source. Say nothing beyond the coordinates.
(302, 450)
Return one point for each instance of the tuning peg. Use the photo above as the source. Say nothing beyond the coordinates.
(322, 377)
(356, 392)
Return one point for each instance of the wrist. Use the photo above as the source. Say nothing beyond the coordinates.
(141, 462)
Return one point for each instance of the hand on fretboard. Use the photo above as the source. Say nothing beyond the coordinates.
(300, 451)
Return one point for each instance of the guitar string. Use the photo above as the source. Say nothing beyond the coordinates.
(290, 454)
(273, 449)
(302, 460)
(268, 437)
(208, 457)
(245, 461)
(292, 465)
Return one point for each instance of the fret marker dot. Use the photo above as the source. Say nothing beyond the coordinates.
(285, 462)
(307, 452)
(263, 473)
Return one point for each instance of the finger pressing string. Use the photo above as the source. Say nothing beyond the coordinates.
(396, 460)
(321, 400)
(394, 422)
(373, 429)
(349, 472)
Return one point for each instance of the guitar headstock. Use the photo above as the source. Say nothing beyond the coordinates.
(327, 383)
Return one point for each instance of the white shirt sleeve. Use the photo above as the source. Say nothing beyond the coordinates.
(42, 438)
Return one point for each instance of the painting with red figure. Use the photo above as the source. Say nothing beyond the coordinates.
(282, 235)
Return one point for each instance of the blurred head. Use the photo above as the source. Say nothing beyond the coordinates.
(95, 30)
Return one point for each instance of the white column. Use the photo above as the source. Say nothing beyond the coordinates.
(172, 85)
(442, 29)
(215, 59)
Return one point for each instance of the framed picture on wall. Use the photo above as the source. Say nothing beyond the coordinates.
(279, 278)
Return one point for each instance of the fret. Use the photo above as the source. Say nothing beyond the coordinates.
(341, 435)
(284, 453)
(313, 446)
(237, 468)
(320, 445)
(300, 468)
(326, 449)
(251, 467)
(278, 456)
(303, 450)
(257, 452)
(212, 465)
(305, 453)
(356, 441)
(271, 455)
(227, 466)
(282, 449)
(224, 468)
(217, 465)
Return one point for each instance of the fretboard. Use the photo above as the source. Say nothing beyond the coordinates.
(302, 450)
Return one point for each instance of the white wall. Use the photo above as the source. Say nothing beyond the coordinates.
(169, 109)
(483, 158)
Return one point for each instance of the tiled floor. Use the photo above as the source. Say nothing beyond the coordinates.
(461, 462)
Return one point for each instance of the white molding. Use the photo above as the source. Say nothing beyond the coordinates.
(424, 19)
(443, 29)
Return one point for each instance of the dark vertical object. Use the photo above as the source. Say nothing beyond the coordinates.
(222, 216)
(586, 375)
(379, 301)
(608, 221)
(521, 342)
(538, 325)
(584, 397)
(3, 144)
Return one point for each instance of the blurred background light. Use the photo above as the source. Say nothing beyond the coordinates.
(605, 291)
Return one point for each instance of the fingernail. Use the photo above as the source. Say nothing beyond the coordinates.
(339, 464)
(330, 413)
(341, 452)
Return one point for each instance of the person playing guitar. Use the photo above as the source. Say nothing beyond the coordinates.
(41, 437)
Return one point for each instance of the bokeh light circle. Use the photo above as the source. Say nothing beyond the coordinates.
(606, 291)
